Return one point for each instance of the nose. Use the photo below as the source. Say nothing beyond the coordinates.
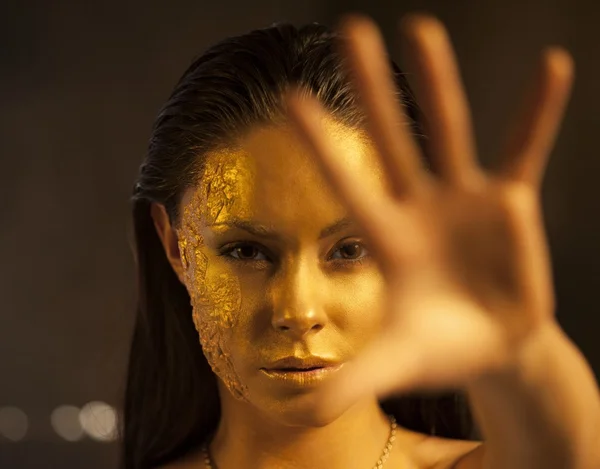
(297, 309)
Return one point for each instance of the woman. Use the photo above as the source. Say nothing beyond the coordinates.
(298, 266)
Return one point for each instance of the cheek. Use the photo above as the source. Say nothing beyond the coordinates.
(215, 297)
(214, 292)
(360, 305)
(216, 307)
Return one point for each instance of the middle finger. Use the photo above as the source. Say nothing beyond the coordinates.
(443, 99)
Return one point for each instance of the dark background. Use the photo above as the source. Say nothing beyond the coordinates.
(80, 84)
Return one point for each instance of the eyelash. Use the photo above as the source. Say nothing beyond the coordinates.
(227, 250)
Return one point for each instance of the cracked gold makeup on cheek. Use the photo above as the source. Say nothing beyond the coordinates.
(214, 292)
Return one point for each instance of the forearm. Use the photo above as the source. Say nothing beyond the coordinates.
(542, 413)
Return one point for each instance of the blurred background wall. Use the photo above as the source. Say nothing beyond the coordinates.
(80, 84)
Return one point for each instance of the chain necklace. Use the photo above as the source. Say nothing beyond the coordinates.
(378, 465)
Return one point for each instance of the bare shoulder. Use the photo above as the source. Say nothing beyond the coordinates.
(445, 453)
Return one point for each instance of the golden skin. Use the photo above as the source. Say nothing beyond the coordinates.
(331, 307)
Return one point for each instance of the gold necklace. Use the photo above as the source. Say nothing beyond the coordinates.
(378, 465)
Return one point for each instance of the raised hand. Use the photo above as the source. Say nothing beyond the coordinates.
(463, 252)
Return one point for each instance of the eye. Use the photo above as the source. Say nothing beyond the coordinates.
(352, 251)
(244, 252)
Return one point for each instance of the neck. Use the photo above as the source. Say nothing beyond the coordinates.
(246, 438)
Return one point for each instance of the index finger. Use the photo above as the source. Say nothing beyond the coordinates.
(373, 211)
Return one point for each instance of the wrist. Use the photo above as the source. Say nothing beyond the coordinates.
(543, 403)
(524, 358)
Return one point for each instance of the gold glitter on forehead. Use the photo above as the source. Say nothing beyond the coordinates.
(215, 295)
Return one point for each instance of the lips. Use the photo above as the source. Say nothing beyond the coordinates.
(305, 371)
(308, 363)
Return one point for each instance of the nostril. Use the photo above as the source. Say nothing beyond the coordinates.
(299, 327)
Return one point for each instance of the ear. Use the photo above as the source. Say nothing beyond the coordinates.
(168, 237)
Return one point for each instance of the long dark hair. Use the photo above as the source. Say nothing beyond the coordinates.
(171, 402)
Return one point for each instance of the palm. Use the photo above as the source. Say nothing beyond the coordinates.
(468, 278)
(467, 285)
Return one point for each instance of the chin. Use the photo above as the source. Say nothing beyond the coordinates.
(300, 410)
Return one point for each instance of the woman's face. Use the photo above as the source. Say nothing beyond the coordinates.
(276, 268)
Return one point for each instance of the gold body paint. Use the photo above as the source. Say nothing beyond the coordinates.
(271, 179)
(215, 295)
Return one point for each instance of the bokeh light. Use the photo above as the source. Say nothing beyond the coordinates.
(13, 423)
(65, 421)
(99, 421)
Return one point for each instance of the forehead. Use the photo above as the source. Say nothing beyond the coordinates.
(272, 177)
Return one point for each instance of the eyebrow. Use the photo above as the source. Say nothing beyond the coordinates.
(264, 231)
